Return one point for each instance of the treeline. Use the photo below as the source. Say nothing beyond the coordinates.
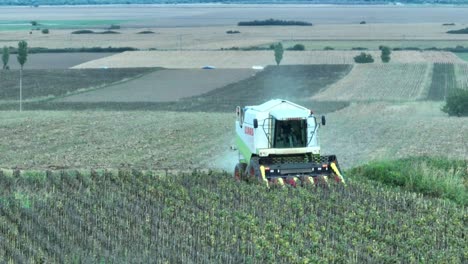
(106, 2)
(460, 31)
(274, 22)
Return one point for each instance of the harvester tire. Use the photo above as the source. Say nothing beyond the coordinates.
(253, 171)
(238, 173)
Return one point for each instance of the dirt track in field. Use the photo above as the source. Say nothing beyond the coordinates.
(164, 86)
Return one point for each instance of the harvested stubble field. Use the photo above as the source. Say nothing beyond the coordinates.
(57, 60)
(392, 82)
(113, 139)
(247, 59)
(142, 216)
(142, 139)
(164, 86)
(379, 131)
(39, 84)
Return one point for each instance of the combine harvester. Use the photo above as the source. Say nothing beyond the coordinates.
(278, 144)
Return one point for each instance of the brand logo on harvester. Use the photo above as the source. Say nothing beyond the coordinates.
(249, 131)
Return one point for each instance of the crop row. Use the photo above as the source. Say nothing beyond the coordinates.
(141, 216)
(461, 72)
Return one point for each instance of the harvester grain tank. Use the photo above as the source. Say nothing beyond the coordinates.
(278, 144)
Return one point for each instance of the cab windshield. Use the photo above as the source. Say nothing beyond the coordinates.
(290, 134)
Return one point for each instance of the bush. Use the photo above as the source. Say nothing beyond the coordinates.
(362, 22)
(297, 47)
(359, 48)
(456, 104)
(45, 31)
(146, 32)
(328, 48)
(232, 32)
(364, 58)
(83, 31)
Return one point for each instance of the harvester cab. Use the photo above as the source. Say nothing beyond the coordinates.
(278, 144)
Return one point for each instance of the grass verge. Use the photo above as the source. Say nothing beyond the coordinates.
(435, 177)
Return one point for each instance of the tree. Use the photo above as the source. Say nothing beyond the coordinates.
(364, 58)
(279, 53)
(5, 57)
(22, 58)
(297, 47)
(385, 56)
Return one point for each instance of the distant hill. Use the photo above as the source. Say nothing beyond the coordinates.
(37, 3)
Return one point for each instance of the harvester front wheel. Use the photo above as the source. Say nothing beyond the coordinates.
(252, 171)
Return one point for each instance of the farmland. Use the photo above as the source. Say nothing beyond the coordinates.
(302, 81)
(391, 82)
(113, 139)
(215, 37)
(56, 24)
(165, 86)
(143, 216)
(367, 132)
(40, 84)
(47, 61)
(461, 72)
(127, 157)
(146, 139)
(374, 44)
(247, 59)
(291, 82)
(443, 81)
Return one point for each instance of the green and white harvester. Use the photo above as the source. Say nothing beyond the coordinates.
(278, 144)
